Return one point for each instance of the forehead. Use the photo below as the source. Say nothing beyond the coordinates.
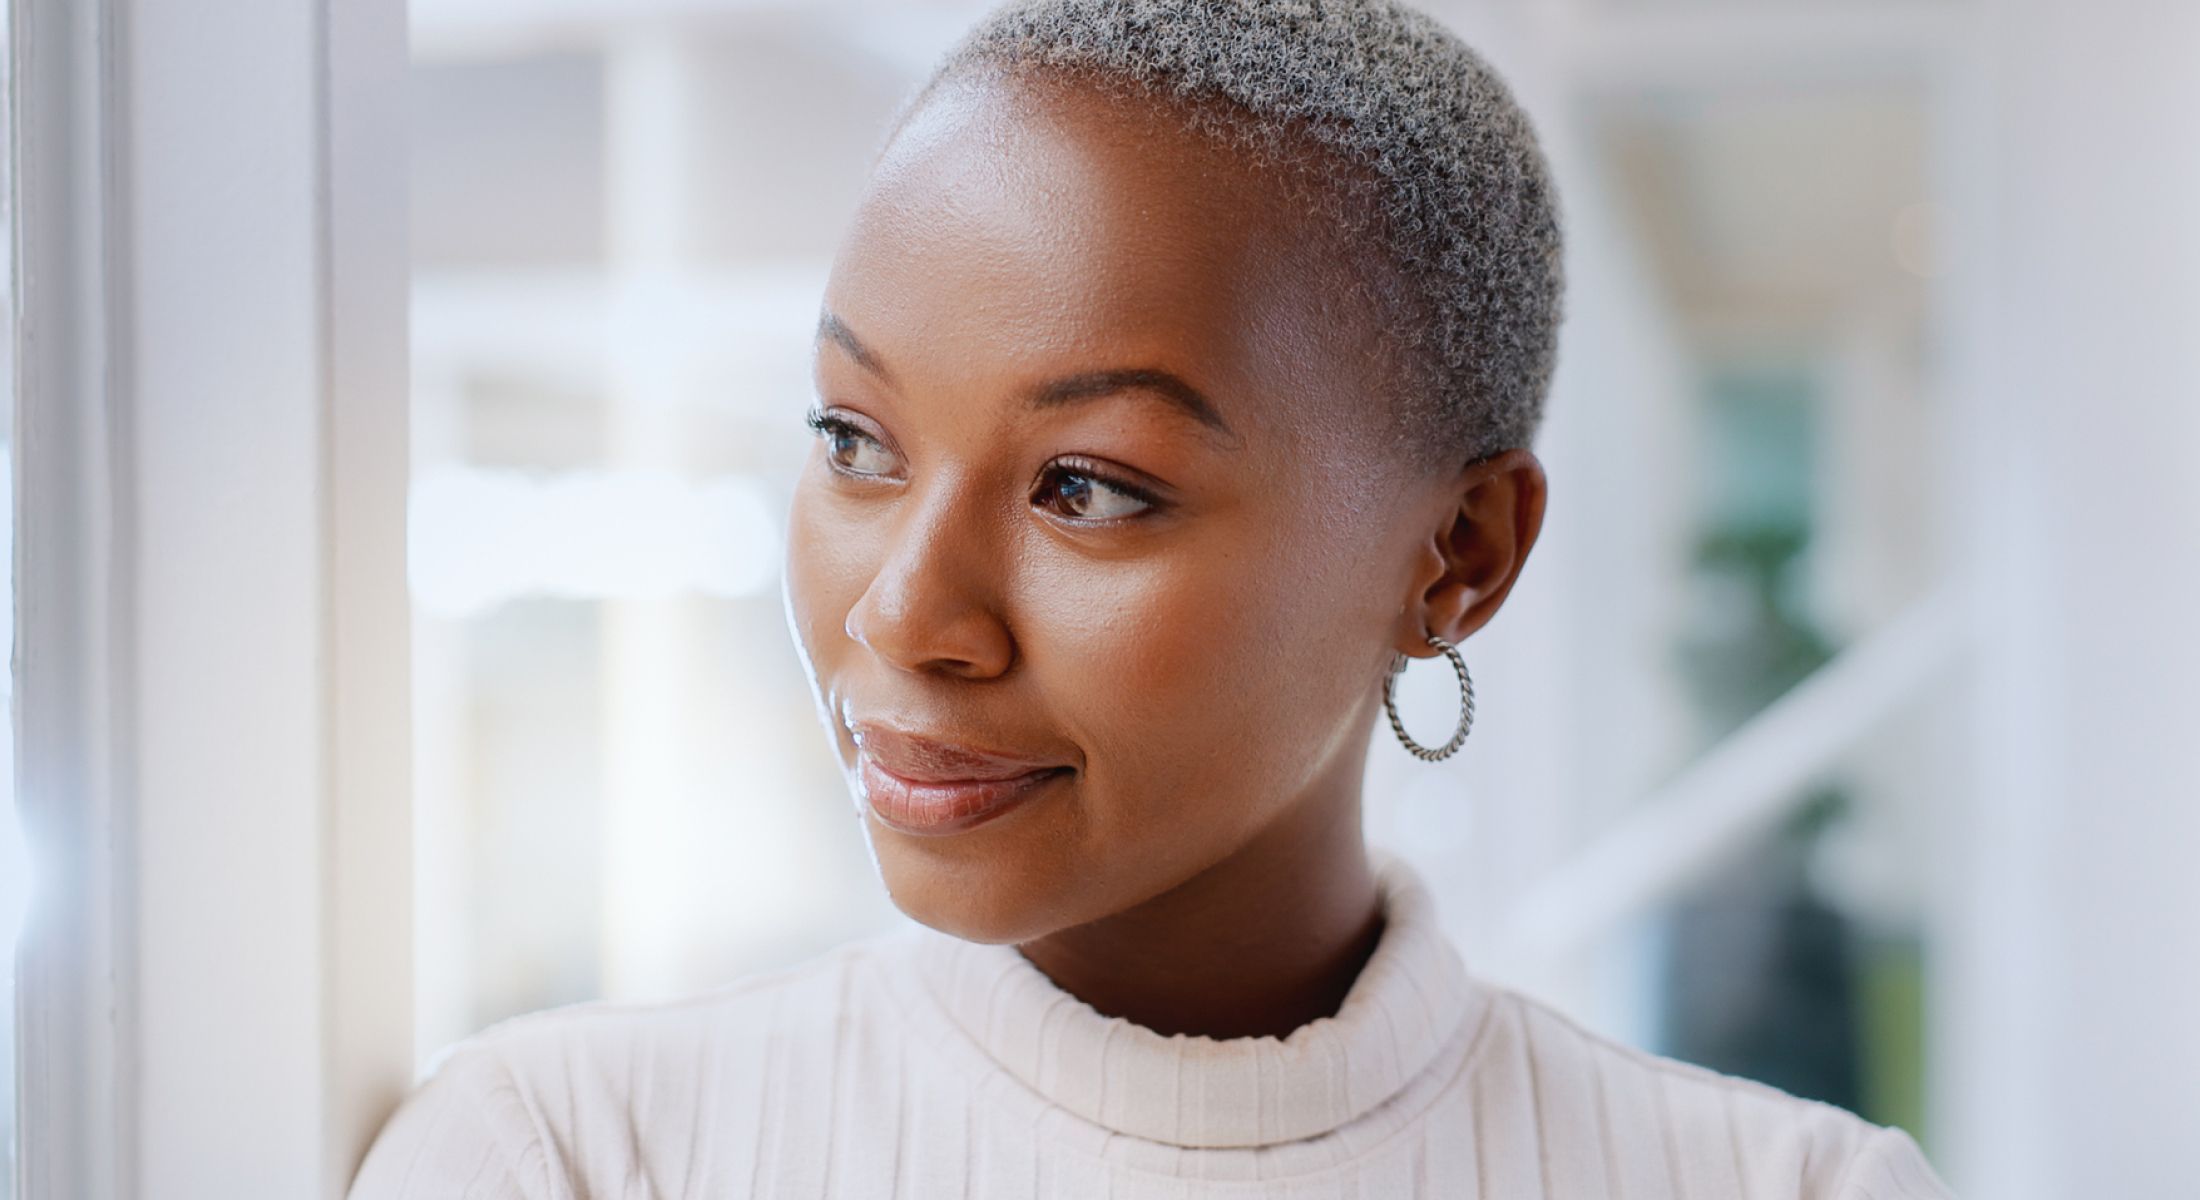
(1017, 229)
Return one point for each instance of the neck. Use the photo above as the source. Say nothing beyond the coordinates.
(1264, 941)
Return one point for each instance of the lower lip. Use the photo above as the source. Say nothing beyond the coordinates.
(936, 808)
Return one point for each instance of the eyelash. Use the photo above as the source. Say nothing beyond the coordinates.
(823, 425)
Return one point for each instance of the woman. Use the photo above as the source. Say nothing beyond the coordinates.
(1176, 383)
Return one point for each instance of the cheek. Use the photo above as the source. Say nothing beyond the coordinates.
(1222, 672)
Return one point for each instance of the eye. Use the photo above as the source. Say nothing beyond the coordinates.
(1086, 495)
(850, 450)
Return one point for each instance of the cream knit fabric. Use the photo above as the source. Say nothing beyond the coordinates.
(918, 1065)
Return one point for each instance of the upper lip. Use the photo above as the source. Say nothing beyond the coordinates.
(922, 759)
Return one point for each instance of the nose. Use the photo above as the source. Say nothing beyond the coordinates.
(933, 606)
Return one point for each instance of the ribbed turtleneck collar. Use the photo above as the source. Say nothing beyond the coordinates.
(1409, 1001)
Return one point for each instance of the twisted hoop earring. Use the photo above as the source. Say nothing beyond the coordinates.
(1466, 704)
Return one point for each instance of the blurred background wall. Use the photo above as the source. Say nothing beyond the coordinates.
(1837, 735)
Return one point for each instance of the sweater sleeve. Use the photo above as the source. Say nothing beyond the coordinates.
(1890, 1166)
(465, 1134)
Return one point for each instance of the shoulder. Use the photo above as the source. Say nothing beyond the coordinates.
(1706, 1132)
(536, 1105)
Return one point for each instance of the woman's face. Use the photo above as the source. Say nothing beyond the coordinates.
(1100, 489)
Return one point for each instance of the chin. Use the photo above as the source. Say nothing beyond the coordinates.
(979, 893)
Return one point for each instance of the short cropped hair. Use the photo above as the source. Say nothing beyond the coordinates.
(1443, 180)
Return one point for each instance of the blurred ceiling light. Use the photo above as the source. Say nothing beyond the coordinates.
(480, 537)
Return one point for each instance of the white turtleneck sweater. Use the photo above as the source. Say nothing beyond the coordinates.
(915, 1064)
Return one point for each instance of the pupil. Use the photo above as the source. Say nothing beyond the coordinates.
(1076, 491)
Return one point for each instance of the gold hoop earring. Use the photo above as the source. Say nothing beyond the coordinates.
(1466, 704)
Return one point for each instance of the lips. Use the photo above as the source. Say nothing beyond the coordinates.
(931, 760)
(928, 785)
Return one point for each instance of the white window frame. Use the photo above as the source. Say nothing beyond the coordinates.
(212, 667)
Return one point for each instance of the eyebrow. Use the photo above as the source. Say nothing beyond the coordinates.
(830, 328)
(1069, 390)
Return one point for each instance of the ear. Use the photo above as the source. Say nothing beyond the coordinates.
(1488, 518)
